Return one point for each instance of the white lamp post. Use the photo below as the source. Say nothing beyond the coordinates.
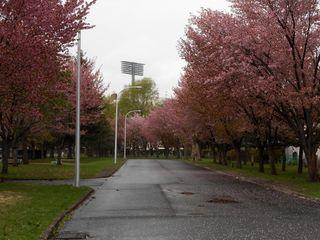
(125, 132)
(116, 121)
(77, 152)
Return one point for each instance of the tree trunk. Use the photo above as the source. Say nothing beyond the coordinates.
(52, 151)
(166, 152)
(312, 164)
(70, 151)
(220, 156)
(195, 154)
(14, 156)
(224, 156)
(284, 161)
(33, 151)
(5, 156)
(59, 159)
(272, 160)
(300, 163)
(178, 152)
(261, 158)
(25, 158)
(42, 151)
(238, 156)
(214, 154)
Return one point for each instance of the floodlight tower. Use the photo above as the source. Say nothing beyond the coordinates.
(133, 69)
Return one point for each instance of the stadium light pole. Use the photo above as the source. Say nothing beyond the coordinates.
(125, 132)
(116, 121)
(77, 152)
(133, 69)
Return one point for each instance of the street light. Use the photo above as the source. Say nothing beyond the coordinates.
(116, 120)
(77, 152)
(125, 132)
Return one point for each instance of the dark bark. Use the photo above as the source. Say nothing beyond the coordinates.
(42, 151)
(214, 154)
(5, 156)
(166, 152)
(237, 149)
(52, 151)
(300, 162)
(272, 160)
(33, 151)
(25, 158)
(70, 151)
(224, 156)
(14, 156)
(220, 157)
(195, 155)
(312, 164)
(59, 159)
(284, 161)
(261, 158)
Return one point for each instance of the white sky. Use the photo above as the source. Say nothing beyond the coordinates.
(145, 31)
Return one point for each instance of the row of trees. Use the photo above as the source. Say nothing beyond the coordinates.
(252, 79)
(37, 75)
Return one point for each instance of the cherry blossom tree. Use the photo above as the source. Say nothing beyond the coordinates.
(136, 140)
(280, 40)
(34, 38)
(265, 58)
(92, 91)
(159, 126)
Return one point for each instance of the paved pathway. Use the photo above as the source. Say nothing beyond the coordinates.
(171, 200)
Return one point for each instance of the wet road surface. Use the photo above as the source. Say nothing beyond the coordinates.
(172, 200)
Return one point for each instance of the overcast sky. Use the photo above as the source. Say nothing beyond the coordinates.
(145, 31)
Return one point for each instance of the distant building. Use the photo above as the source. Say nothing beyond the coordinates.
(292, 155)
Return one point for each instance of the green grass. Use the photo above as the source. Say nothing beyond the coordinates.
(289, 179)
(26, 210)
(43, 169)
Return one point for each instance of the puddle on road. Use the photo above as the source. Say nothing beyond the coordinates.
(223, 200)
(187, 193)
(72, 236)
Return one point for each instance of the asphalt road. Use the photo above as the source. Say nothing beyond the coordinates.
(171, 200)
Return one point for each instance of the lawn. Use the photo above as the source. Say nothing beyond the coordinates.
(26, 210)
(43, 169)
(289, 179)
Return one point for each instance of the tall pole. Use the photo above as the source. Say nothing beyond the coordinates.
(77, 163)
(116, 131)
(116, 122)
(133, 73)
(125, 139)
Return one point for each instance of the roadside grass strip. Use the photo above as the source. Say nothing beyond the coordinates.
(289, 179)
(26, 210)
(45, 170)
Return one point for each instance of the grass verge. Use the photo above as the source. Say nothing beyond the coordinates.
(43, 169)
(27, 210)
(289, 179)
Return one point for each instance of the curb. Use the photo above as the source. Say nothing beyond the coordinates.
(113, 171)
(49, 233)
(264, 185)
